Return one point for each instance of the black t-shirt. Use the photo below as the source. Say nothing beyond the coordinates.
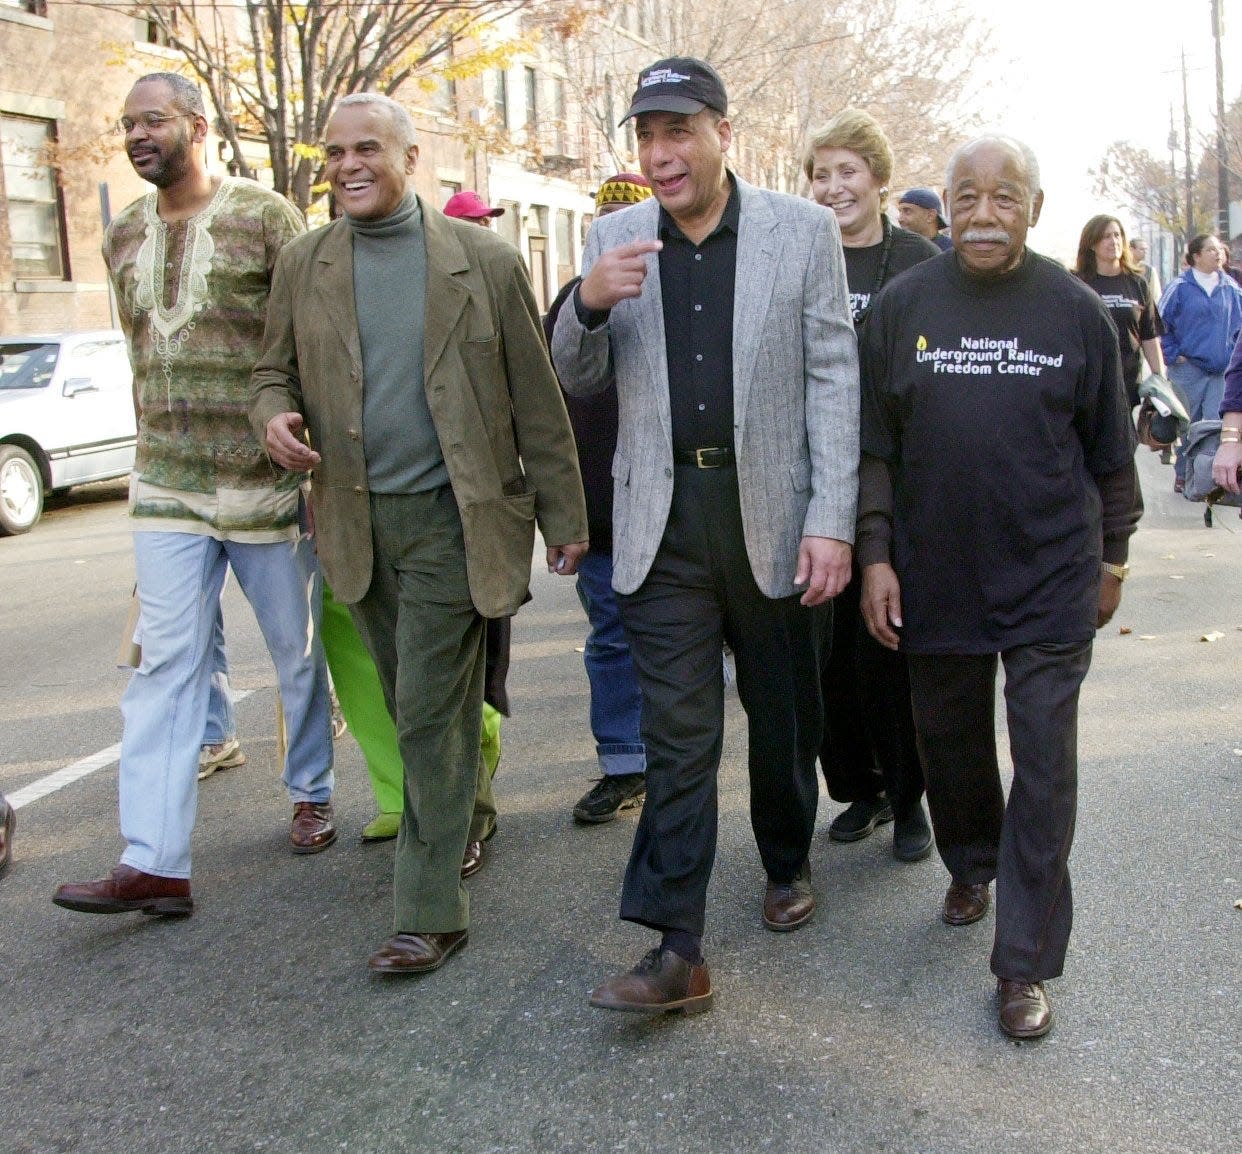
(862, 266)
(996, 402)
(1129, 302)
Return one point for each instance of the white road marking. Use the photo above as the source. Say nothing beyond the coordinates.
(80, 769)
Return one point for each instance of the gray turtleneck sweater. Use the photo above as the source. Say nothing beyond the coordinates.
(390, 295)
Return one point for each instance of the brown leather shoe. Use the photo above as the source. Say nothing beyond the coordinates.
(312, 830)
(416, 953)
(472, 861)
(127, 889)
(964, 903)
(786, 906)
(8, 822)
(661, 982)
(1025, 1011)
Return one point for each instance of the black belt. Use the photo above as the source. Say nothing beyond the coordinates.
(704, 458)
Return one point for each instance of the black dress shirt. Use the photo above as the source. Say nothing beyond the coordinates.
(696, 285)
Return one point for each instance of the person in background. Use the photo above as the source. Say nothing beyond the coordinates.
(221, 749)
(469, 205)
(616, 700)
(1227, 264)
(920, 211)
(1138, 258)
(1104, 266)
(869, 756)
(1202, 314)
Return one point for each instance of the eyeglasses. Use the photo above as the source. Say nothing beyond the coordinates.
(148, 122)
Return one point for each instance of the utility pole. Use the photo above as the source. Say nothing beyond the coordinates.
(1181, 240)
(1190, 179)
(1222, 167)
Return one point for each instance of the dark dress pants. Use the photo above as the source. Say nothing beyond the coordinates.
(421, 627)
(700, 593)
(1025, 844)
(869, 744)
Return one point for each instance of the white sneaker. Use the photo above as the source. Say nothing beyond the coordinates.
(224, 755)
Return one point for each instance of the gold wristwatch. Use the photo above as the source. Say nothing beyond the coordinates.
(1121, 572)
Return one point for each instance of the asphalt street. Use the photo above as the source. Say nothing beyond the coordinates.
(255, 1025)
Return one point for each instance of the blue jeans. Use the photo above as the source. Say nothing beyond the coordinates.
(221, 724)
(616, 701)
(164, 707)
(1203, 392)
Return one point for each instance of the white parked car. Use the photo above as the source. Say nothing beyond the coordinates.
(66, 417)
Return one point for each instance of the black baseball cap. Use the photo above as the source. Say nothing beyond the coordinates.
(678, 84)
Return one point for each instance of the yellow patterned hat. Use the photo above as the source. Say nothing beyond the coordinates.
(624, 188)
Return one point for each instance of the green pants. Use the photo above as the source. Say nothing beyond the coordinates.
(427, 641)
(361, 696)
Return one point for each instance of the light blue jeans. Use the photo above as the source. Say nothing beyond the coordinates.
(221, 723)
(164, 708)
(616, 700)
(1203, 393)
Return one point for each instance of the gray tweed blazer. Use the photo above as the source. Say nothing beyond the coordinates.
(795, 387)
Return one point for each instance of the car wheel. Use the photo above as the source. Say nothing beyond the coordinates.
(21, 491)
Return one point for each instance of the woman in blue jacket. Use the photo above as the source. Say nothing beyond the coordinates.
(1202, 315)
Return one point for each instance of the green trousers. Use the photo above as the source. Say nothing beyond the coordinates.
(427, 641)
(361, 695)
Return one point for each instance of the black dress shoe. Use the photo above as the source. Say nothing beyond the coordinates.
(912, 836)
(1025, 1011)
(125, 890)
(8, 822)
(964, 903)
(416, 953)
(860, 818)
(662, 982)
(789, 905)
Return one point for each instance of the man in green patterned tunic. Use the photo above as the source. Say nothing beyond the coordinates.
(191, 265)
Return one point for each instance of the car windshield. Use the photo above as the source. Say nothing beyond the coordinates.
(27, 364)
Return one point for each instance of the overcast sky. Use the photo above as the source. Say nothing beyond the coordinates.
(1069, 81)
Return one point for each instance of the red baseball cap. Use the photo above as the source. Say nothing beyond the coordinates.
(469, 205)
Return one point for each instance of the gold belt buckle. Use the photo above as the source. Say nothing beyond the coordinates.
(701, 461)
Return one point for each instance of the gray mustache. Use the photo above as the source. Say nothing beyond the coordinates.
(986, 236)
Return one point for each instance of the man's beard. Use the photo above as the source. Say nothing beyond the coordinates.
(172, 162)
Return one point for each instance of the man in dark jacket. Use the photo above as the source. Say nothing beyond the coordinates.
(616, 702)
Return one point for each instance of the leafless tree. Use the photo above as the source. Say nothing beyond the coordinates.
(1156, 191)
(789, 66)
(275, 69)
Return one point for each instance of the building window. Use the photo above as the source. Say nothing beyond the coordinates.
(444, 90)
(448, 189)
(510, 224)
(32, 196)
(34, 7)
(500, 101)
(154, 32)
(532, 97)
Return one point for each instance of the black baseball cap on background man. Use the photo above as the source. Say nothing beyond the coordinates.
(679, 84)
